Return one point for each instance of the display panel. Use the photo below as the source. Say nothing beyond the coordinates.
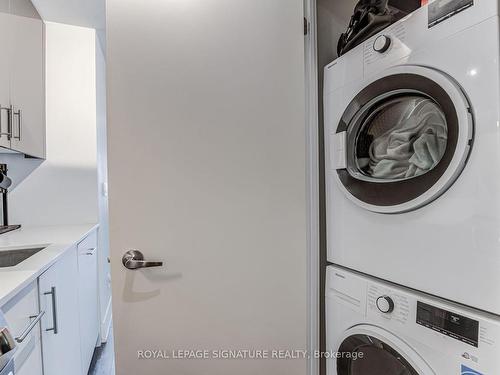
(441, 10)
(450, 324)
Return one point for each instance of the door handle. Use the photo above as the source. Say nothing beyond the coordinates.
(52, 293)
(30, 327)
(134, 259)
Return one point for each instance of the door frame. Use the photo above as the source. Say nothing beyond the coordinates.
(312, 179)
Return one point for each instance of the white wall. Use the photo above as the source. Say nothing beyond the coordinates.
(333, 18)
(63, 189)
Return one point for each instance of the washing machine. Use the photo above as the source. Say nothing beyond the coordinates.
(412, 145)
(377, 328)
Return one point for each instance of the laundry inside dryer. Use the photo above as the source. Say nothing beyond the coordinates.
(401, 138)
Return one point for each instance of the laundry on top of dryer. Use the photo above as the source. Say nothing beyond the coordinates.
(371, 17)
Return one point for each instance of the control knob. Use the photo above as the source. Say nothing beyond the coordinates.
(382, 43)
(385, 304)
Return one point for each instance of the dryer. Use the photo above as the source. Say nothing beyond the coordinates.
(412, 139)
(377, 328)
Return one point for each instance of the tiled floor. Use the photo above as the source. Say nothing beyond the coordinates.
(103, 361)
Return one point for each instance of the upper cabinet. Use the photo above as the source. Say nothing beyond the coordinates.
(22, 86)
(27, 87)
(5, 37)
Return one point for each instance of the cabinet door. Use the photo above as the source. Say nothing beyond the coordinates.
(87, 293)
(32, 363)
(27, 86)
(19, 313)
(5, 41)
(60, 330)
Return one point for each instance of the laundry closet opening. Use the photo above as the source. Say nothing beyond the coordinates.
(332, 19)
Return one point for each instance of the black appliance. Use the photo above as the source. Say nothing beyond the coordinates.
(5, 183)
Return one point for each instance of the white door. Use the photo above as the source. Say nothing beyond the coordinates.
(206, 152)
(27, 86)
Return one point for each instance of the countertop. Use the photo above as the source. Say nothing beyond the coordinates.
(56, 240)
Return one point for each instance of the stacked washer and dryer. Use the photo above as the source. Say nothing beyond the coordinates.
(412, 134)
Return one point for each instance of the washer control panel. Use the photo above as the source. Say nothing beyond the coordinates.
(385, 304)
(457, 336)
(388, 303)
(448, 323)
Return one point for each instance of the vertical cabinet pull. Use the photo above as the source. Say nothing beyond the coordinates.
(9, 122)
(17, 113)
(54, 309)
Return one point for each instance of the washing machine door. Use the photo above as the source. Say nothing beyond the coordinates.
(370, 350)
(403, 140)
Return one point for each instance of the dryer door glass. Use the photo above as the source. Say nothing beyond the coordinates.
(402, 141)
(367, 355)
(400, 138)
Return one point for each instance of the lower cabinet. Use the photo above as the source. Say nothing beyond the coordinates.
(87, 296)
(55, 319)
(58, 288)
(30, 359)
(20, 312)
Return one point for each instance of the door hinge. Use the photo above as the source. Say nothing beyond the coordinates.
(306, 26)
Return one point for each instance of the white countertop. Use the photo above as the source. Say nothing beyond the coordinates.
(56, 240)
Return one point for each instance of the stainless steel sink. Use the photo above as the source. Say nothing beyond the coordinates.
(11, 258)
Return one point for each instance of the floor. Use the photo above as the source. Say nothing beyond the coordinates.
(103, 362)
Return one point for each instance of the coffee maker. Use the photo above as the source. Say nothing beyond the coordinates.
(5, 183)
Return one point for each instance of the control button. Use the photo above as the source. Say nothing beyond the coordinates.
(382, 43)
(385, 304)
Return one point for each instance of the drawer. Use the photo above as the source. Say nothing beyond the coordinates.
(88, 244)
(19, 313)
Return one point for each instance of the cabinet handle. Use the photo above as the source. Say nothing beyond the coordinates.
(54, 310)
(29, 328)
(90, 251)
(20, 120)
(9, 122)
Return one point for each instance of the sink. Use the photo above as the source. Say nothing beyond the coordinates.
(11, 258)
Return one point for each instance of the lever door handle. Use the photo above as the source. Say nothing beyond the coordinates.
(134, 259)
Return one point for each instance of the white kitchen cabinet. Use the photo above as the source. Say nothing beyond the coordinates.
(87, 295)
(27, 86)
(58, 288)
(22, 81)
(32, 359)
(19, 313)
(5, 40)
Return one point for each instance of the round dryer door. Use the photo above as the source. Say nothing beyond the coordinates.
(403, 140)
(369, 350)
